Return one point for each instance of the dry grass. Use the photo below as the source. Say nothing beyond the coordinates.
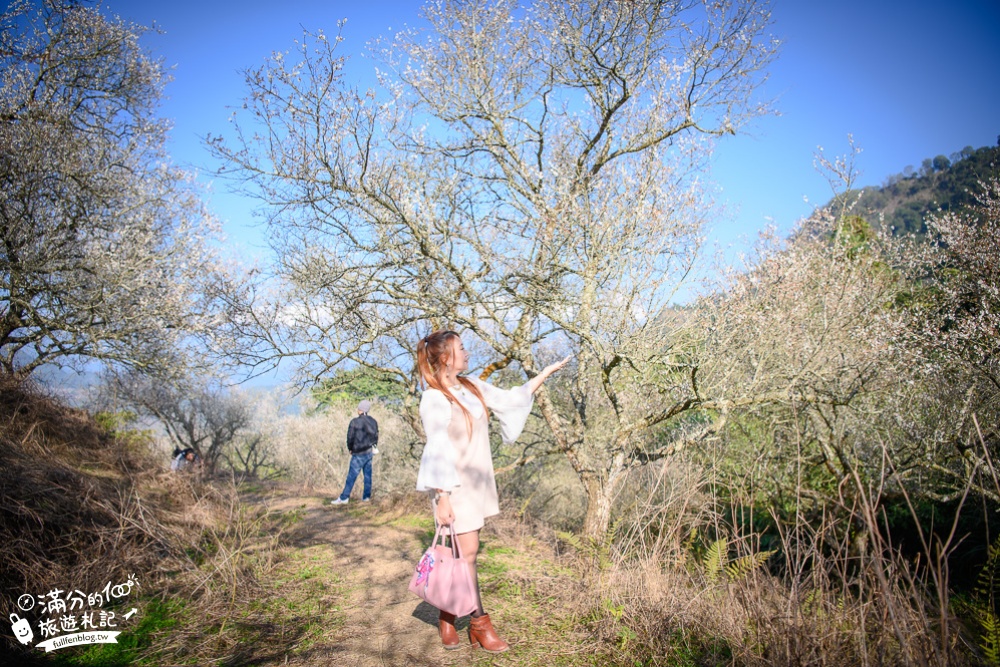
(311, 448)
(539, 596)
(248, 600)
(79, 506)
(82, 506)
(662, 592)
(649, 615)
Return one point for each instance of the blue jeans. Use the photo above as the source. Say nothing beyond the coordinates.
(359, 462)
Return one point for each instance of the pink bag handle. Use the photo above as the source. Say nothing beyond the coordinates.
(456, 550)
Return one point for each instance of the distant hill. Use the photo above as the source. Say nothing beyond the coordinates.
(944, 182)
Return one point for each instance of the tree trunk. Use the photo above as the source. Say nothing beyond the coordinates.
(598, 517)
(601, 492)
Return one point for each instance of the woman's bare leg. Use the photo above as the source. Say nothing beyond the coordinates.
(469, 544)
(481, 632)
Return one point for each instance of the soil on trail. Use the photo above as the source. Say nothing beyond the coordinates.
(370, 550)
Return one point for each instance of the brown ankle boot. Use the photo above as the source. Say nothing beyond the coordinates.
(446, 628)
(482, 635)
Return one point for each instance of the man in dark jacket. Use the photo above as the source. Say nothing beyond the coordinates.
(362, 438)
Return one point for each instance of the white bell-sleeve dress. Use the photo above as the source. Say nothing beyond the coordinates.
(457, 461)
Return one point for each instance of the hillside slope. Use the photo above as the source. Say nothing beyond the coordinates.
(82, 507)
(904, 200)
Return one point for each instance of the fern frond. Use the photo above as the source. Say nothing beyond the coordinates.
(991, 636)
(715, 560)
(571, 539)
(742, 567)
(987, 583)
(589, 547)
(987, 588)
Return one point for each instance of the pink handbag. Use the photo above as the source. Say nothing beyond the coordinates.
(444, 579)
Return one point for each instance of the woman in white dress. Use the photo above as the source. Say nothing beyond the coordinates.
(457, 465)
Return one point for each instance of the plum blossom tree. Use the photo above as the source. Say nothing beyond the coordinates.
(954, 335)
(104, 249)
(529, 175)
(870, 360)
(196, 413)
(968, 279)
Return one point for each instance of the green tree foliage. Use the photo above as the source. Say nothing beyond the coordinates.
(358, 384)
(905, 200)
(854, 234)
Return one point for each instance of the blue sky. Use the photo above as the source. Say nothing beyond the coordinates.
(908, 80)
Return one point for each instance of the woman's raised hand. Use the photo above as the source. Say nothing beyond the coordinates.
(537, 381)
(552, 368)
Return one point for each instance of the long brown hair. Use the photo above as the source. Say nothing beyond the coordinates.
(433, 352)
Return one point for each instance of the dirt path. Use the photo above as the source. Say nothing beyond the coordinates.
(368, 551)
(338, 594)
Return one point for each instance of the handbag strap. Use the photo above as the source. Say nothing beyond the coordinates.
(438, 537)
(456, 550)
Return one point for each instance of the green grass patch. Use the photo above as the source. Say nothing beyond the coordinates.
(493, 549)
(301, 605)
(418, 521)
(358, 510)
(155, 618)
(554, 569)
(423, 524)
(292, 517)
(491, 567)
(251, 486)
